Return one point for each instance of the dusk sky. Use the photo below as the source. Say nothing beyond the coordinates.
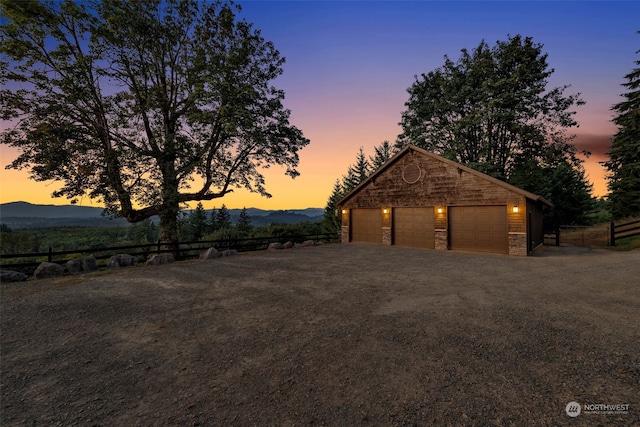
(349, 65)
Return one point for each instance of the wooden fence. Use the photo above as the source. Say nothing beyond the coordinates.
(626, 229)
(551, 237)
(27, 262)
(599, 235)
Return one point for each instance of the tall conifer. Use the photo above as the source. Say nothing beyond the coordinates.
(624, 162)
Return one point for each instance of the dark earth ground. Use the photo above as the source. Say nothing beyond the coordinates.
(329, 335)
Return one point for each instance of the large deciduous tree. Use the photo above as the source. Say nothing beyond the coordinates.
(143, 105)
(624, 155)
(492, 110)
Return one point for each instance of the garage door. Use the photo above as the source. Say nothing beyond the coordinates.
(478, 228)
(414, 227)
(366, 225)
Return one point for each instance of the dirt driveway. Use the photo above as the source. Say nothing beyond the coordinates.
(330, 335)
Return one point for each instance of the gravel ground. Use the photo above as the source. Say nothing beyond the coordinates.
(329, 335)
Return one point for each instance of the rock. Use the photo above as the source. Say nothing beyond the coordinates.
(82, 265)
(308, 243)
(287, 245)
(229, 252)
(122, 260)
(48, 269)
(160, 259)
(210, 253)
(275, 246)
(12, 276)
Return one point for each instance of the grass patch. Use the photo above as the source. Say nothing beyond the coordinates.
(627, 244)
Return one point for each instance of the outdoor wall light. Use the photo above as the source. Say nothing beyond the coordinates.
(385, 210)
(344, 211)
(440, 209)
(516, 209)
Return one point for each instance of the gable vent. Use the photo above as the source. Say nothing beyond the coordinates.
(411, 173)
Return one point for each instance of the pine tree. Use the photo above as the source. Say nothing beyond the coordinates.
(213, 222)
(362, 168)
(223, 218)
(332, 219)
(244, 222)
(383, 153)
(356, 173)
(197, 223)
(624, 163)
(350, 180)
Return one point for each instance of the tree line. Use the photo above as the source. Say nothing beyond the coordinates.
(196, 225)
(147, 106)
(492, 110)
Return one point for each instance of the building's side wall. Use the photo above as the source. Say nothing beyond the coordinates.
(535, 224)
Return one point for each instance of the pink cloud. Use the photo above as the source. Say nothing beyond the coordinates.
(598, 145)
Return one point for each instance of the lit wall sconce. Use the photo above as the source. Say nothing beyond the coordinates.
(516, 209)
(440, 209)
(344, 211)
(385, 211)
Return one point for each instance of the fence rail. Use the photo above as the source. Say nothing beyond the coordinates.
(551, 237)
(186, 250)
(626, 229)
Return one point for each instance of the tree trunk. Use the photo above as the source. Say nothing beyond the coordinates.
(169, 229)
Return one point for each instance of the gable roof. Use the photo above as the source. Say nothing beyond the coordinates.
(411, 148)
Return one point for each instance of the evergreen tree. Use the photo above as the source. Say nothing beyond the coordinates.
(143, 232)
(244, 222)
(357, 172)
(624, 163)
(362, 167)
(383, 152)
(213, 222)
(565, 185)
(350, 180)
(332, 220)
(223, 218)
(197, 223)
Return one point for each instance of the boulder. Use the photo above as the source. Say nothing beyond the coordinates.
(12, 276)
(210, 253)
(48, 269)
(275, 246)
(122, 260)
(160, 259)
(229, 252)
(308, 243)
(287, 245)
(82, 265)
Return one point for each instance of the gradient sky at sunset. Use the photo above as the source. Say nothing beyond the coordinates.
(349, 65)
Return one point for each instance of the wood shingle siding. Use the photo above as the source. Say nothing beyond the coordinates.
(434, 202)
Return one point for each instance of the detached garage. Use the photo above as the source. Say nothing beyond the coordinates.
(420, 199)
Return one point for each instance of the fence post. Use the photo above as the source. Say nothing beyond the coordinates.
(612, 230)
(50, 257)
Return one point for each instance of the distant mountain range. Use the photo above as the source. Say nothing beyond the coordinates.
(27, 215)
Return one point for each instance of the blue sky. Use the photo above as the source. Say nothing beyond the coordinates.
(349, 64)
